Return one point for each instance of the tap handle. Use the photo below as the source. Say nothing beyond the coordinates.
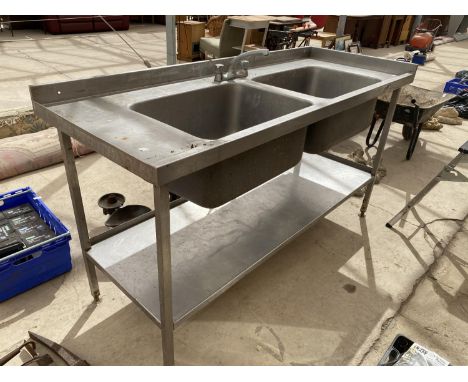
(219, 72)
(244, 64)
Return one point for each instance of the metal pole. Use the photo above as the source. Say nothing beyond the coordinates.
(341, 26)
(265, 35)
(378, 156)
(417, 198)
(163, 244)
(171, 40)
(416, 22)
(78, 209)
(454, 23)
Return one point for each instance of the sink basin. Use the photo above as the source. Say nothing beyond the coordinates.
(330, 131)
(317, 81)
(216, 112)
(327, 83)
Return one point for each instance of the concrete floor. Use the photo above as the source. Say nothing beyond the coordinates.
(337, 295)
(32, 58)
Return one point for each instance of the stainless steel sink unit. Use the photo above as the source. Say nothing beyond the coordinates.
(229, 143)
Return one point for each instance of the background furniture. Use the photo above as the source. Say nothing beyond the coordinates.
(248, 23)
(325, 37)
(395, 28)
(14, 22)
(405, 30)
(284, 32)
(383, 32)
(361, 28)
(319, 20)
(374, 31)
(215, 24)
(284, 23)
(189, 34)
(222, 46)
(76, 24)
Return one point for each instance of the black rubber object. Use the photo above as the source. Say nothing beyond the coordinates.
(125, 214)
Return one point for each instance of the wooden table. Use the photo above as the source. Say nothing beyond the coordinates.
(324, 37)
(251, 22)
(282, 22)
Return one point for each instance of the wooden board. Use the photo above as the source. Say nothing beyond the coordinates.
(406, 29)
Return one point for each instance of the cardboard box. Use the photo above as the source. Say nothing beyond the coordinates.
(188, 39)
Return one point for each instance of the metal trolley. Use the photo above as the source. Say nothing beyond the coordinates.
(412, 111)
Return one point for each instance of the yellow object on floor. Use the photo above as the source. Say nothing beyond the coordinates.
(448, 115)
(450, 120)
(449, 112)
(432, 124)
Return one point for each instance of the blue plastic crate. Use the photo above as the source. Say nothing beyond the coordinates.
(38, 263)
(455, 86)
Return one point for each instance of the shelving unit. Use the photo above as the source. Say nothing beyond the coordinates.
(206, 258)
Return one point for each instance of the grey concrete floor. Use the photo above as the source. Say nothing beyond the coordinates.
(32, 57)
(334, 296)
(436, 313)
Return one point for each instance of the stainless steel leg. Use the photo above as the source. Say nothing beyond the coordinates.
(80, 217)
(163, 240)
(297, 168)
(380, 149)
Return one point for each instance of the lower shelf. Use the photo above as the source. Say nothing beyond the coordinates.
(213, 253)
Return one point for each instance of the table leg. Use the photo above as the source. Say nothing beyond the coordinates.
(265, 36)
(244, 40)
(378, 156)
(163, 240)
(78, 209)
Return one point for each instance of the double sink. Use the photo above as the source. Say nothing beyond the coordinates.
(217, 111)
(209, 141)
